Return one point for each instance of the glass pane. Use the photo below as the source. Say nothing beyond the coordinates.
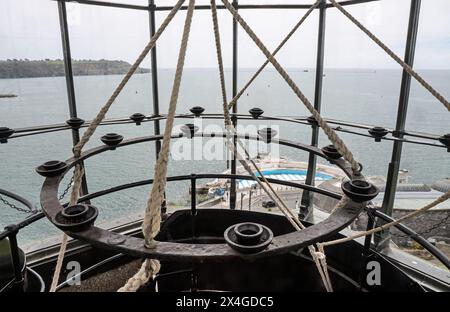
(104, 42)
(31, 70)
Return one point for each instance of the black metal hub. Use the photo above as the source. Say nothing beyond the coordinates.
(312, 121)
(5, 133)
(197, 110)
(256, 112)
(331, 152)
(76, 217)
(52, 168)
(378, 133)
(112, 139)
(445, 139)
(75, 123)
(359, 190)
(248, 237)
(191, 250)
(137, 118)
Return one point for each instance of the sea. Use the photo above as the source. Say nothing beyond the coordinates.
(363, 96)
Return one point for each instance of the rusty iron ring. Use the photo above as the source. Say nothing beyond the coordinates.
(199, 252)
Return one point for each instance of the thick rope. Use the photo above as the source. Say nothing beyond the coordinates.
(78, 175)
(394, 56)
(93, 126)
(59, 262)
(231, 131)
(438, 201)
(298, 226)
(228, 123)
(285, 40)
(266, 186)
(101, 114)
(226, 112)
(331, 134)
(147, 271)
(152, 217)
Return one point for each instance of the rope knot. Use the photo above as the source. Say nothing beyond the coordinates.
(151, 244)
(319, 255)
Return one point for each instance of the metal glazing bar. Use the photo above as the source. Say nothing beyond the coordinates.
(234, 109)
(382, 238)
(207, 7)
(154, 68)
(69, 79)
(306, 202)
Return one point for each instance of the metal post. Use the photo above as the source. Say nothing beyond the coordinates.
(193, 205)
(154, 69)
(306, 202)
(15, 258)
(69, 80)
(193, 194)
(382, 238)
(367, 242)
(234, 111)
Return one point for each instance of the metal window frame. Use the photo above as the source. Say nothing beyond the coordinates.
(152, 8)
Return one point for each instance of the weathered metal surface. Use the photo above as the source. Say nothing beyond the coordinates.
(198, 252)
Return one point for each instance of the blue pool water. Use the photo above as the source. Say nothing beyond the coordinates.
(285, 175)
(319, 175)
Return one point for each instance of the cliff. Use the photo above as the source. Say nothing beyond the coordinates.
(54, 68)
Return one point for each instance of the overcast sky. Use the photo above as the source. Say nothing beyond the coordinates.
(30, 29)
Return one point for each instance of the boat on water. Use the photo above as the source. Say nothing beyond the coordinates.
(267, 224)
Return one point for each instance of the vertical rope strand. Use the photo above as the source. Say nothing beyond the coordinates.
(331, 134)
(152, 217)
(285, 40)
(262, 181)
(77, 178)
(101, 114)
(78, 175)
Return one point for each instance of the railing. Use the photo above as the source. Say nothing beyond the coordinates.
(12, 231)
(341, 126)
(398, 136)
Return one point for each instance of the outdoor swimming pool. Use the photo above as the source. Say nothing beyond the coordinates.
(284, 175)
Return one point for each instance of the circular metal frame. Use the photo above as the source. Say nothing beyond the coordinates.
(21, 132)
(199, 252)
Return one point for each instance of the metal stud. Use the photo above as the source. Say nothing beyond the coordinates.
(378, 133)
(331, 152)
(256, 112)
(75, 123)
(197, 110)
(112, 139)
(5, 133)
(76, 218)
(137, 118)
(51, 168)
(445, 139)
(359, 190)
(248, 237)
